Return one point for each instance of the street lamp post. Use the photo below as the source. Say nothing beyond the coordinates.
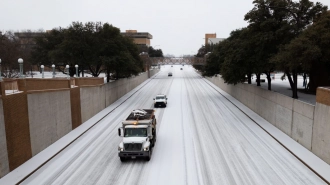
(0, 70)
(53, 66)
(20, 62)
(67, 70)
(76, 70)
(42, 71)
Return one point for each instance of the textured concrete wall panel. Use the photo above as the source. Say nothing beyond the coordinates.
(304, 108)
(49, 117)
(302, 130)
(284, 101)
(117, 89)
(4, 163)
(265, 109)
(321, 130)
(269, 95)
(258, 91)
(92, 101)
(284, 119)
(251, 88)
(89, 81)
(250, 100)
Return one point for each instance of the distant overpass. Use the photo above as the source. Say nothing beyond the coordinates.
(178, 60)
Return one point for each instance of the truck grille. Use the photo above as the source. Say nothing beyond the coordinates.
(133, 146)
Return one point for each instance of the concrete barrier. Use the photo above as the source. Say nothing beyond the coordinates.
(49, 118)
(284, 111)
(4, 163)
(303, 119)
(321, 132)
(92, 100)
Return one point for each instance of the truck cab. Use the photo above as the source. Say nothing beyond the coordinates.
(139, 135)
(160, 101)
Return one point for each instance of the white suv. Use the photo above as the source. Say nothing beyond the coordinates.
(160, 101)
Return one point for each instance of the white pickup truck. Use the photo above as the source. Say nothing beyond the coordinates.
(160, 101)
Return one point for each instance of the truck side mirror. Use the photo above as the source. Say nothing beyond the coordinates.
(154, 98)
(120, 132)
(149, 131)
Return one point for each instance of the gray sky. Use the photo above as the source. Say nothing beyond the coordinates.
(178, 26)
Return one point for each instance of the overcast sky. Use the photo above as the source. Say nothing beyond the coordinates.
(178, 26)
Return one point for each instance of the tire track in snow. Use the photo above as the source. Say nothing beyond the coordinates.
(204, 170)
(183, 140)
(230, 179)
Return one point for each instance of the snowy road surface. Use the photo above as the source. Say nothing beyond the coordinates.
(202, 139)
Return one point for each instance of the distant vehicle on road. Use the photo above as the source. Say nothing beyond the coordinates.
(180, 68)
(169, 73)
(139, 135)
(160, 101)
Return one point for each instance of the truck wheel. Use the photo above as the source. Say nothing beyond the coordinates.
(149, 156)
(153, 142)
(155, 136)
(122, 159)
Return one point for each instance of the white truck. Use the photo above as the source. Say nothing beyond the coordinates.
(160, 101)
(139, 135)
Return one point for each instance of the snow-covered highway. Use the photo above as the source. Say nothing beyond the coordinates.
(202, 139)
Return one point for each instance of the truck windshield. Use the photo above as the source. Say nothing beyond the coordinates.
(159, 97)
(135, 132)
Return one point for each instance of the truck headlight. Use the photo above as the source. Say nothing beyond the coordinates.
(120, 149)
(146, 149)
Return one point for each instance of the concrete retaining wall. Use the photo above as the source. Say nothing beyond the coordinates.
(49, 118)
(303, 118)
(119, 88)
(321, 132)
(307, 124)
(92, 101)
(4, 164)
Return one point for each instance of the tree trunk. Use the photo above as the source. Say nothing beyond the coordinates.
(72, 71)
(305, 81)
(269, 80)
(258, 79)
(108, 74)
(290, 79)
(82, 71)
(293, 83)
(249, 78)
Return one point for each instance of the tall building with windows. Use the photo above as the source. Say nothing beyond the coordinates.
(139, 38)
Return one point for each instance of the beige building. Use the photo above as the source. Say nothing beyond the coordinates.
(209, 36)
(139, 38)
